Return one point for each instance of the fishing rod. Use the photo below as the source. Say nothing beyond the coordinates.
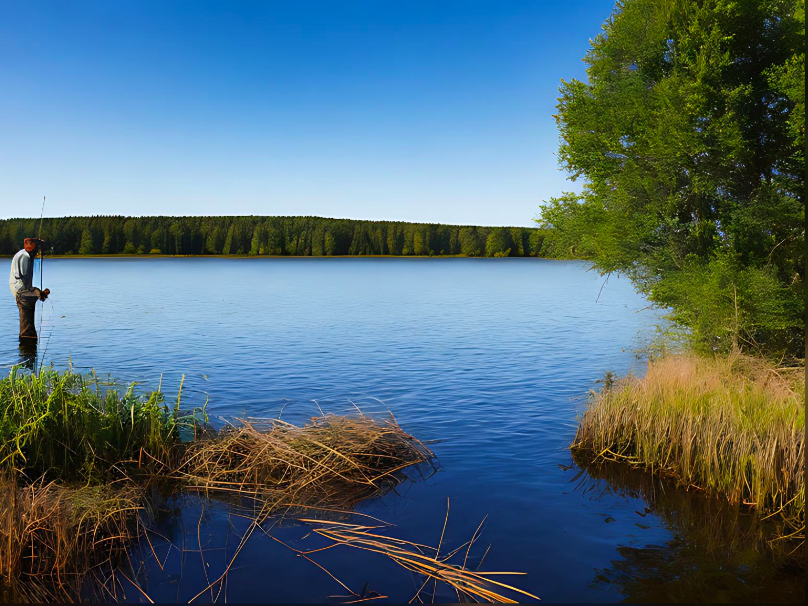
(41, 281)
(41, 250)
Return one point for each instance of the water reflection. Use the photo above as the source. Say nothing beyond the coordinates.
(28, 354)
(719, 552)
(221, 547)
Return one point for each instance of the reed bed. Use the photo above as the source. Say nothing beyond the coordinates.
(732, 426)
(53, 539)
(332, 461)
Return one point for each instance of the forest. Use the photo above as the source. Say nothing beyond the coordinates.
(262, 235)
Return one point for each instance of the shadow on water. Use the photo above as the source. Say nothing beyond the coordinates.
(719, 552)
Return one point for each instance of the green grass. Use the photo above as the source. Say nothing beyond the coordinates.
(69, 427)
(729, 425)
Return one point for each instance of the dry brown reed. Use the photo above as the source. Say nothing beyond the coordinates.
(730, 425)
(54, 538)
(332, 461)
(424, 561)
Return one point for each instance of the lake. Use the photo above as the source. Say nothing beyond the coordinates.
(489, 358)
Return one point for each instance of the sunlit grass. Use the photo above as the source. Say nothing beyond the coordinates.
(730, 425)
(333, 461)
(69, 426)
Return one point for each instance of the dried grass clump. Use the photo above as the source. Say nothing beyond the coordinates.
(730, 425)
(54, 538)
(333, 461)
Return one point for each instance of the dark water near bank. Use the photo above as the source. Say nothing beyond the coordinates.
(489, 356)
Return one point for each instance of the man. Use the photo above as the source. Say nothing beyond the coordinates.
(21, 283)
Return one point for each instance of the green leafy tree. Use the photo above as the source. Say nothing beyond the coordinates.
(87, 246)
(471, 244)
(330, 244)
(499, 243)
(689, 137)
(228, 242)
(255, 245)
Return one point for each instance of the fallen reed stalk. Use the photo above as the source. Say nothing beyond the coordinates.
(424, 561)
(732, 426)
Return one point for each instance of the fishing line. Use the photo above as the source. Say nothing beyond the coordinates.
(41, 279)
(50, 332)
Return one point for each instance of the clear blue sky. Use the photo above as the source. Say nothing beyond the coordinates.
(437, 111)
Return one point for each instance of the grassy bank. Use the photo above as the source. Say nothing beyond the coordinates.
(732, 426)
(80, 462)
(85, 466)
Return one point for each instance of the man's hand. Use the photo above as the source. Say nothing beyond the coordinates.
(44, 294)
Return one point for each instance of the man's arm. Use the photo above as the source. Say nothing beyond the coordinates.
(22, 263)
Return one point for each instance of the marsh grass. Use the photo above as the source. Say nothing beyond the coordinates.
(732, 426)
(70, 427)
(54, 538)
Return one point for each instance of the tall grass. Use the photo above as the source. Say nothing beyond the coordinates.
(53, 538)
(729, 425)
(68, 426)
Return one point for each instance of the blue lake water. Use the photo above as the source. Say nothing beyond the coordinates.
(492, 358)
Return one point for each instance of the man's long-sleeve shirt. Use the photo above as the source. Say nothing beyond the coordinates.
(22, 272)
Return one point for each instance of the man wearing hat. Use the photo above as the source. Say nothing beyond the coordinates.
(21, 283)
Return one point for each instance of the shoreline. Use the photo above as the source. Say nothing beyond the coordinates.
(162, 256)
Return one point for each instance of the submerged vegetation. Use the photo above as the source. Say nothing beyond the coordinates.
(84, 467)
(60, 543)
(732, 426)
(451, 569)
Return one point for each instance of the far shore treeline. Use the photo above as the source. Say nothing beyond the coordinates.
(262, 235)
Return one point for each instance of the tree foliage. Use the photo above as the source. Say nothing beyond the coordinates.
(689, 136)
(254, 235)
